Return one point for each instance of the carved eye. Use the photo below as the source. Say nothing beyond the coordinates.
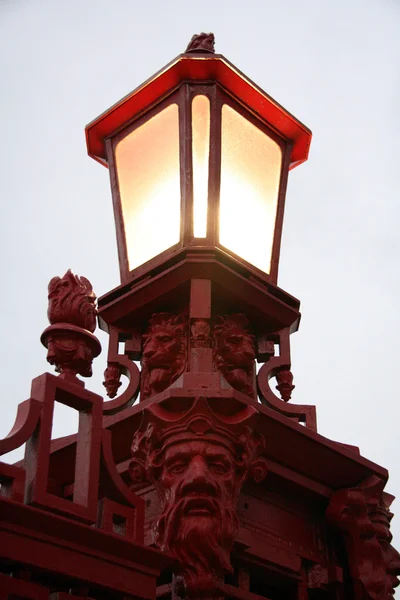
(234, 339)
(177, 468)
(218, 468)
(165, 338)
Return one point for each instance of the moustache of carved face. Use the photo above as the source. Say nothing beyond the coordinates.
(197, 516)
(199, 532)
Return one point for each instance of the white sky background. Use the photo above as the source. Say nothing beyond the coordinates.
(334, 65)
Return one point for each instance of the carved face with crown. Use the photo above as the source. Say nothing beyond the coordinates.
(233, 352)
(164, 353)
(198, 466)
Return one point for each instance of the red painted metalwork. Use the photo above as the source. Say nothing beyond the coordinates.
(89, 534)
(233, 485)
(198, 68)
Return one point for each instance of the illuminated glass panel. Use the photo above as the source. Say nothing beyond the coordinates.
(200, 156)
(250, 174)
(147, 163)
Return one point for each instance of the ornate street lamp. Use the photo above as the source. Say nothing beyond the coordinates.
(199, 158)
(242, 501)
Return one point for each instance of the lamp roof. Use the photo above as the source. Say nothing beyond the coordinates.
(198, 68)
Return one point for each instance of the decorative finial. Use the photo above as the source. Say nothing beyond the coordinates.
(111, 382)
(72, 300)
(201, 42)
(285, 384)
(72, 313)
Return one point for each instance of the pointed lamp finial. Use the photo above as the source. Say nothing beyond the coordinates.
(201, 42)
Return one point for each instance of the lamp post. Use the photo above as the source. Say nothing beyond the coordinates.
(199, 158)
(233, 485)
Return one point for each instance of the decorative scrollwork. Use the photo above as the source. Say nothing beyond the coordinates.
(120, 364)
(279, 367)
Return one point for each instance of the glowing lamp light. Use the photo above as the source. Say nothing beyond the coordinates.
(198, 158)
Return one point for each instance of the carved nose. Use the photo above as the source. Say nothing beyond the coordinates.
(197, 469)
(394, 564)
(149, 350)
(249, 352)
(197, 480)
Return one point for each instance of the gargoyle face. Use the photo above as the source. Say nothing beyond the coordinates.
(164, 355)
(234, 354)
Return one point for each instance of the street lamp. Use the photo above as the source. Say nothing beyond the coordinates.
(198, 158)
(246, 503)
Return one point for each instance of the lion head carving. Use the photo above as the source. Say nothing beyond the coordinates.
(164, 355)
(234, 352)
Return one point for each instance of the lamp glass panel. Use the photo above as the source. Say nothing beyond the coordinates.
(250, 175)
(200, 156)
(147, 163)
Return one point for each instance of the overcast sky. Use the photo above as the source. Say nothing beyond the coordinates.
(334, 65)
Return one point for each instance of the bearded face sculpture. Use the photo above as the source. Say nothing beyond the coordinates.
(234, 352)
(381, 517)
(364, 520)
(164, 355)
(198, 466)
(199, 523)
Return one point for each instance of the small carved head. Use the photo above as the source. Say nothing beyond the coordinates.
(234, 352)
(164, 355)
(72, 300)
(285, 385)
(200, 334)
(112, 382)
